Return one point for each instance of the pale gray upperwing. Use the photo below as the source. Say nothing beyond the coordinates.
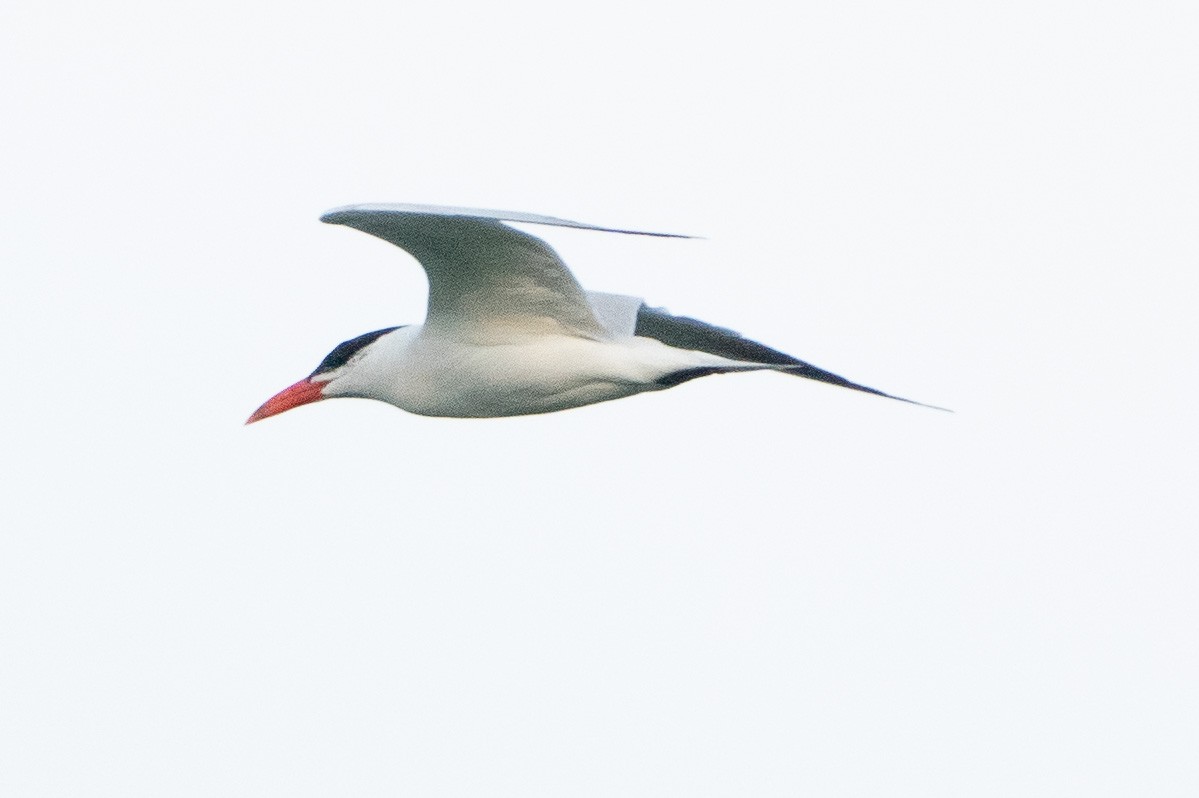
(483, 273)
(616, 312)
(488, 214)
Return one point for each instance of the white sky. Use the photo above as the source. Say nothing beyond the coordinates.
(746, 586)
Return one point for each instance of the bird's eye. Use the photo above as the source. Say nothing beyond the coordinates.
(342, 353)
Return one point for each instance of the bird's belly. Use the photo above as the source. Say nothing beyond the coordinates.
(520, 399)
(483, 381)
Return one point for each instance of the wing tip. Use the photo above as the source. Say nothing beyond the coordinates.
(922, 404)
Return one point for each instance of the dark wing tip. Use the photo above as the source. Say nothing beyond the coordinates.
(919, 404)
(687, 333)
(811, 372)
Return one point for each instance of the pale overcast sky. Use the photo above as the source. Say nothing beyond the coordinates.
(750, 585)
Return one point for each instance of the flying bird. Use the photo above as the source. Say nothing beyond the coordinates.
(510, 332)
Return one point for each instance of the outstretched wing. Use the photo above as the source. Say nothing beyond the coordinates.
(686, 333)
(483, 274)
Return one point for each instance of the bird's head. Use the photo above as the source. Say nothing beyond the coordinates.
(323, 383)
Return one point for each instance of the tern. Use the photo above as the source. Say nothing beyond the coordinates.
(510, 332)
